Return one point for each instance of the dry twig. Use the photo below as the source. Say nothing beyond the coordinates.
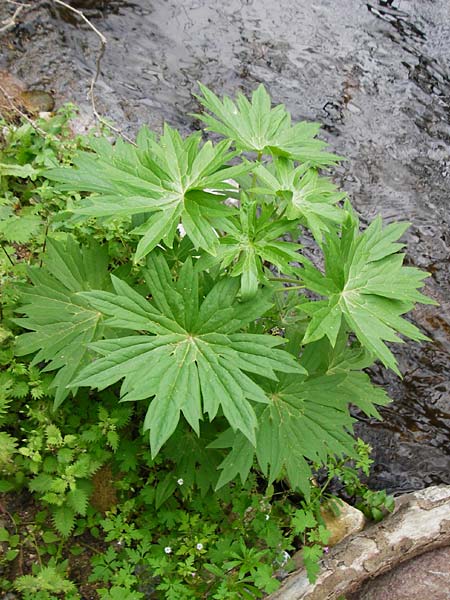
(91, 94)
(11, 21)
(20, 112)
(98, 60)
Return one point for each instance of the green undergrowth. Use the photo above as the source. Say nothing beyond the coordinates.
(176, 375)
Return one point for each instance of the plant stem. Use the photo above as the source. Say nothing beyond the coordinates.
(7, 255)
(284, 280)
(44, 245)
(258, 160)
(289, 289)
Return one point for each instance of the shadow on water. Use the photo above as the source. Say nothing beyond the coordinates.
(375, 73)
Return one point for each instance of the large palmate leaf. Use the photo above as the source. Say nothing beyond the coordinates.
(164, 181)
(367, 286)
(61, 320)
(302, 195)
(252, 240)
(306, 421)
(192, 360)
(255, 126)
(308, 418)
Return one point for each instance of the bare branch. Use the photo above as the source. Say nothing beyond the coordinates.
(20, 112)
(11, 21)
(96, 75)
(85, 19)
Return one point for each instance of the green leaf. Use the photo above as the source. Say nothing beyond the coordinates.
(11, 554)
(306, 421)
(8, 447)
(61, 320)
(311, 556)
(49, 537)
(302, 194)
(165, 489)
(193, 360)
(303, 520)
(64, 519)
(20, 228)
(77, 499)
(41, 483)
(48, 579)
(255, 126)
(265, 579)
(22, 171)
(165, 181)
(366, 286)
(252, 240)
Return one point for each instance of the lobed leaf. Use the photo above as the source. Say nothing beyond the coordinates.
(255, 126)
(167, 181)
(366, 287)
(62, 324)
(196, 360)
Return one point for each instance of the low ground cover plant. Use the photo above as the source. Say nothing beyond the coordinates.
(182, 366)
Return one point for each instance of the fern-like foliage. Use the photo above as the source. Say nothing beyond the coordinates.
(49, 579)
(7, 382)
(8, 446)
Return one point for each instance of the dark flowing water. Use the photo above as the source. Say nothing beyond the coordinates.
(375, 74)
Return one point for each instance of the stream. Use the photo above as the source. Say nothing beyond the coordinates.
(375, 73)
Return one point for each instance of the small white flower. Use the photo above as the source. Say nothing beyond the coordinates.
(180, 481)
(267, 517)
(285, 557)
(199, 546)
(167, 549)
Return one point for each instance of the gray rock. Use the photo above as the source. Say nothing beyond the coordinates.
(426, 576)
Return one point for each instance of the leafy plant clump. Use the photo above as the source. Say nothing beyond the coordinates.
(203, 328)
(162, 288)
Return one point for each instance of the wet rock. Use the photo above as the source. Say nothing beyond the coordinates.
(14, 94)
(38, 101)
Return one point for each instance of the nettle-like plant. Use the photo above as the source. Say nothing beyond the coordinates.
(221, 321)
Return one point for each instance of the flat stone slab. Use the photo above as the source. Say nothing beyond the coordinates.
(418, 527)
(426, 577)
